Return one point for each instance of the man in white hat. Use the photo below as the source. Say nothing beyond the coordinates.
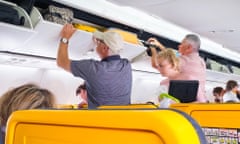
(109, 81)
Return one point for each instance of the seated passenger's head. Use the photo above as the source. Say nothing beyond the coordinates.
(232, 85)
(167, 63)
(82, 92)
(218, 91)
(218, 94)
(28, 96)
(108, 43)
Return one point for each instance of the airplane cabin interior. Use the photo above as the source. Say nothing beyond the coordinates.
(28, 50)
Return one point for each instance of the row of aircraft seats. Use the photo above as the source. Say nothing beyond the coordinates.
(146, 125)
(220, 122)
(207, 115)
(206, 123)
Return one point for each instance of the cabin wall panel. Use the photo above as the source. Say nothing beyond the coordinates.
(12, 76)
(64, 84)
(61, 83)
(146, 86)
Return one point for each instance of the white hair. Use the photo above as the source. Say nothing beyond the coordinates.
(194, 40)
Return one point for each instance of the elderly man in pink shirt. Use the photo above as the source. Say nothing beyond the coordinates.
(190, 63)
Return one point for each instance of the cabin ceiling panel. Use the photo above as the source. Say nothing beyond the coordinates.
(199, 16)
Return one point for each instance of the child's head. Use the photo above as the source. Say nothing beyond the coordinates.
(82, 92)
(218, 91)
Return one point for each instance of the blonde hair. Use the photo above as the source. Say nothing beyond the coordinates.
(169, 55)
(28, 96)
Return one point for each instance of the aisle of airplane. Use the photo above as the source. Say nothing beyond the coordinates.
(28, 53)
(145, 84)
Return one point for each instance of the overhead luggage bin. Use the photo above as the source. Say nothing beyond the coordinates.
(159, 126)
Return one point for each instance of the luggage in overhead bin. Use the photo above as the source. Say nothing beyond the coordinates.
(9, 14)
(58, 15)
(27, 5)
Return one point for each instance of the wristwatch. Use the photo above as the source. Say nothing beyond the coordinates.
(64, 40)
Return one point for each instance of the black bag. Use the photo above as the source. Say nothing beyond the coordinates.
(10, 15)
(27, 5)
(58, 15)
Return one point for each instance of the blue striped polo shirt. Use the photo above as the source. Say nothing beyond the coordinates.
(108, 82)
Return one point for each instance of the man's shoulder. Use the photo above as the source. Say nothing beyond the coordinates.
(192, 60)
(190, 57)
(125, 60)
